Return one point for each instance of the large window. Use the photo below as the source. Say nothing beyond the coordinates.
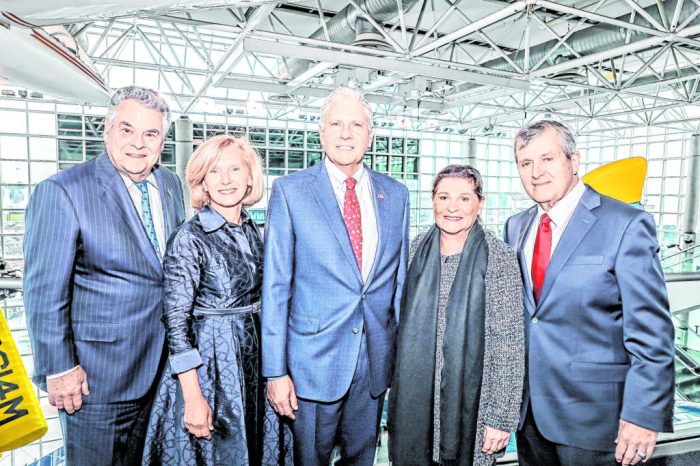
(37, 139)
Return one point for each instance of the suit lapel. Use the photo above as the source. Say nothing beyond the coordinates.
(581, 221)
(113, 188)
(325, 196)
(528, 222)
(381, 213)
(166, 201)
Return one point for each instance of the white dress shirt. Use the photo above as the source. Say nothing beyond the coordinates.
(363, 188)
(560, 214)
(157, 214)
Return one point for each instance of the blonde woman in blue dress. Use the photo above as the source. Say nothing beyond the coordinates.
(210, 407)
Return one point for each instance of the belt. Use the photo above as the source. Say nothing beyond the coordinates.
(251, 308)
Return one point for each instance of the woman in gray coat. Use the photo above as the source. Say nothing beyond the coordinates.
(457, 387)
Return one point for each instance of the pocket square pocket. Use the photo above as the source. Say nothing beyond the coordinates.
(585, 260)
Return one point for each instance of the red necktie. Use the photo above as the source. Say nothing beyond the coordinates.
(540, 256)
(353, 219)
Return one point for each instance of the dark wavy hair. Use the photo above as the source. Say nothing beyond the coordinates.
(461, 171)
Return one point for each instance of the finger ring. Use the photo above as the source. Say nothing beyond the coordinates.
(641, 455)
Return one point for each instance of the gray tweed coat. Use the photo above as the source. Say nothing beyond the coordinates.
(504, 346)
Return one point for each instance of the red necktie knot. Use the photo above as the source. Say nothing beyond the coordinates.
(545, 221)
(541, 254)
(352, 182)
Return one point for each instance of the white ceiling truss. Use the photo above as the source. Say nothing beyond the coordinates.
(476, 66)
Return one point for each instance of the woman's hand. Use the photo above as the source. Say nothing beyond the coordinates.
(494, 440)
(198, 417)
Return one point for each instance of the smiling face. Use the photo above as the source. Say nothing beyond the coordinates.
(227, 181)
(345, 134)
(456, 206)
(546, 172)
(134, 139)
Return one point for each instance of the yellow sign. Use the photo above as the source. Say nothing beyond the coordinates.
(21, 419)
(621, 179)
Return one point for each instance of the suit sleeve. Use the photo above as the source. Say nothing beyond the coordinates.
(50, 249)
(648, 329)
(278, 273)
(403, 260)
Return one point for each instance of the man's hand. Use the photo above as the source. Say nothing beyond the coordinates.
(632, 439)
(282, 397)
(494, 440)
(198, 417)
(66, 392)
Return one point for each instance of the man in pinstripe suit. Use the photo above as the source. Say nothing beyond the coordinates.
(95, 236)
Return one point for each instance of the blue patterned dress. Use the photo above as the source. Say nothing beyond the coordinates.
(213, 275)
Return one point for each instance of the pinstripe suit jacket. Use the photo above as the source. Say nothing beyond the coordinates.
(92, 280)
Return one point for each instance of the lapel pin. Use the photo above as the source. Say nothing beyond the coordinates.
(380, 196)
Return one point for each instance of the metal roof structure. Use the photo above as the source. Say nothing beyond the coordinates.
(478, 67)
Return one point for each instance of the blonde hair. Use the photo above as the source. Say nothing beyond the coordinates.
(208, 154)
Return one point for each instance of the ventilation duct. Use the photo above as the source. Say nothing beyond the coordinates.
(367, 36)
(348, 27)
(599, 38)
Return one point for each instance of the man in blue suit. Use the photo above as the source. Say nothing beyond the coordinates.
(599, 383)
(94, 240)
(336, 247)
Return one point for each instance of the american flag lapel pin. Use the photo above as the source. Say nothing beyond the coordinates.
(380, 196)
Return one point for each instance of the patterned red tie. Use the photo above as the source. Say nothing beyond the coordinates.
(353, 219)
(540, 256)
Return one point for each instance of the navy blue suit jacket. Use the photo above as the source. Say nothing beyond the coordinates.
(315, 303)
(92, 280)
(600, 341)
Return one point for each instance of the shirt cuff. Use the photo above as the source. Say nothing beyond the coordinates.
(277, 377)
(61, 374)
(182, 362)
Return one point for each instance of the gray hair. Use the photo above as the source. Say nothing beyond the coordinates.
(461, 171)
(146, 97)
(345, 92)
(525, 135)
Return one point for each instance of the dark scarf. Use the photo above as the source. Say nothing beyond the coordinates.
(411, 394)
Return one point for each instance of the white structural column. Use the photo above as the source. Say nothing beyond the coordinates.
(692, 194)
(471, 147)
(184, 138)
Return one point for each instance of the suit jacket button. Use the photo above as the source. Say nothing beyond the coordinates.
(535, 320)
(364, 296)
(355, 330)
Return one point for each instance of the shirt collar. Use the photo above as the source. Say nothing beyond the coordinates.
(563, 209)
(129, 182)
(212, 220)
(338, 177)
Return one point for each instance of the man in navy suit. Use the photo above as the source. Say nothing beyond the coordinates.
(94, 240)
(336, 247)
(600, 378)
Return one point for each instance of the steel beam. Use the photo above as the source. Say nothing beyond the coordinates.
(488, 20)
(376, 63)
